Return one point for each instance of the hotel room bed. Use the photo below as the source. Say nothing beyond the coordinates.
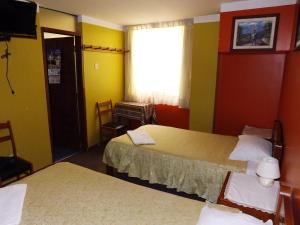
(180, 159)
(68, 194)
(65, 193)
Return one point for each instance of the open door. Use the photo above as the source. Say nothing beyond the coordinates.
(60, 53)
(65, 94)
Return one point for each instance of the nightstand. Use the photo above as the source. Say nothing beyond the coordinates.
(251, 211)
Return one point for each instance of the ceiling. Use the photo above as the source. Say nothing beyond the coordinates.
(129, 12)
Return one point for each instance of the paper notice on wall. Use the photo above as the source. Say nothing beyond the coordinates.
(54, 65)
(54, 79)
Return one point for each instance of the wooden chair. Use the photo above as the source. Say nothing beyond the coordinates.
(115, 128)
(11, 166)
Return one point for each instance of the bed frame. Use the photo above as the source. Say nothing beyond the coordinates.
(285, 198)
(286, 195)
(277, 141)
(285, 204)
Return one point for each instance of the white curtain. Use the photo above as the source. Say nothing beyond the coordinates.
(158, 66)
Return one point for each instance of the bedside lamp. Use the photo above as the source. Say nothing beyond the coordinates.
(268, 171)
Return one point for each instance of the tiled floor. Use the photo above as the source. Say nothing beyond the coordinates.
(60, 153)
(92, 159)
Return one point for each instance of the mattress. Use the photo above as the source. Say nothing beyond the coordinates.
(190, 161)
(68, 194)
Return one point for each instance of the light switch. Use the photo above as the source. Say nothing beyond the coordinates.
(96, 66)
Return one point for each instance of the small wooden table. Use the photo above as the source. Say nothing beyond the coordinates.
(251, 211)
(142, 112)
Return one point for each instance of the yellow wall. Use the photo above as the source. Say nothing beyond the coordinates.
(204, 73)
(57, 20)
(26, 109)
(105, 83)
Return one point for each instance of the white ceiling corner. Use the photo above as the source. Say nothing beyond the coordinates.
(132, 12)
(252, 4)
(118, 13)
(99, 22)
(37, 7)
(207, 18)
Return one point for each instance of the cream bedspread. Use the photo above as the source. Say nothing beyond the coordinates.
(190, 161)
(68, 194)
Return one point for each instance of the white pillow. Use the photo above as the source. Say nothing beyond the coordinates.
(213, 216)
(251, 148)
(261, 132)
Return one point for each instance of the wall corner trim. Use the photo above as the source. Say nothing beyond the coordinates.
(254, 4)
(207, 18)
(37, 7)
(99, 22)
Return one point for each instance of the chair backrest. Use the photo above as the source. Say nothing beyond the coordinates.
(104, 108)
(9, 137)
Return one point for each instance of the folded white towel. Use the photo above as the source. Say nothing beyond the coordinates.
(11, 204)
(140, 137)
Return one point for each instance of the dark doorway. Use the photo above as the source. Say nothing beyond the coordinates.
(63, 70)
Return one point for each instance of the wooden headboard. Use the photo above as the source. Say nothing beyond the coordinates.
(277, 141)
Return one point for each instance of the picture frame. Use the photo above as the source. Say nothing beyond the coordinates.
(255, 32)
(297, 39)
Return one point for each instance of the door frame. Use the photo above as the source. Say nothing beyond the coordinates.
(80, 84)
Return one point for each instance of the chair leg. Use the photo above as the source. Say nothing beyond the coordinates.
(31, 169)
(29, 172)
(102, 139)
(103, 134)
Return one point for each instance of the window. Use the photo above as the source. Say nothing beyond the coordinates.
(157, 68)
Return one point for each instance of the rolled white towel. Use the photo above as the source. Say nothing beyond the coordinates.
(140, 137)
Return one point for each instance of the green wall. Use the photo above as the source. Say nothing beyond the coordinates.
(108, 81)
(204, 74)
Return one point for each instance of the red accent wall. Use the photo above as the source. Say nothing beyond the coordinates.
(172, 116)
(289, 114)
(285, 28)
(248, 91)
(167, 115)
(249, 83)
(255, 88)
